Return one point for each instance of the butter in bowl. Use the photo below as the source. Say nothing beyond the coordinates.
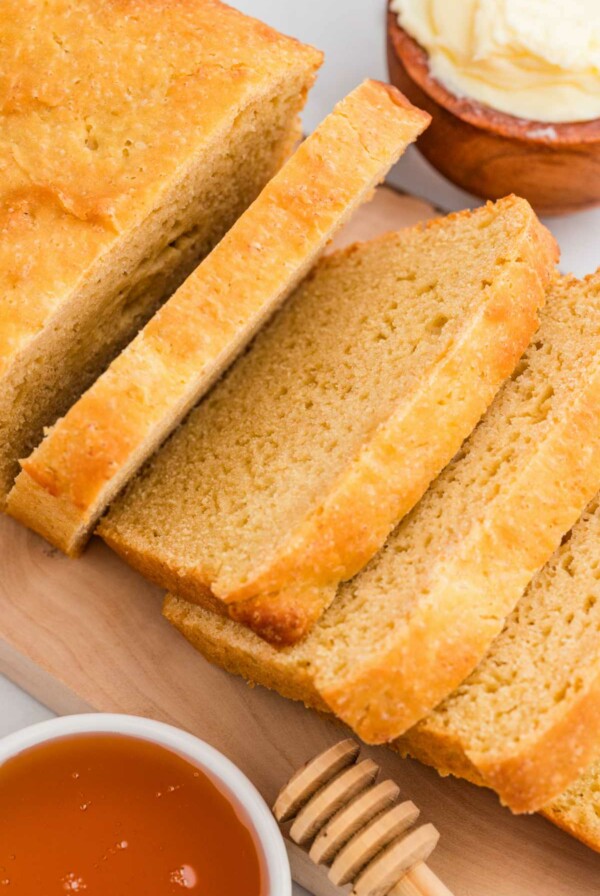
(513, 87)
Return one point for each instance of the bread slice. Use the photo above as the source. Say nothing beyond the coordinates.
(130, 144)
(87, 457)
(576, 810)
(232, 646)
(293, 472)
(404, 633)
(527, 718)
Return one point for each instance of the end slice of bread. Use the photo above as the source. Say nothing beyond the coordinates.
(90, 454)
(292, 473)
(406, 631)
(527, 717)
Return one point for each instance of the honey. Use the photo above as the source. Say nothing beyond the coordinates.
(112, 815)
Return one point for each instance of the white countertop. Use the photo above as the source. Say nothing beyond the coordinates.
(351, 32)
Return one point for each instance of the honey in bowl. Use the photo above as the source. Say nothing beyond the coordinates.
(101, 814)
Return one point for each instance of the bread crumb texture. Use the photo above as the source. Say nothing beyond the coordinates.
(241, 652)
(406, 631)
(131, 140)
(292, 473)
(526, 717)
(89, 454)
(577, 810)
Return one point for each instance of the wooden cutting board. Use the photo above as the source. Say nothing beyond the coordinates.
(88, 634)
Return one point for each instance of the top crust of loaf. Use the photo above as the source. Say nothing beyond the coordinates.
(89, 454)
(292, 473)
(127, 91)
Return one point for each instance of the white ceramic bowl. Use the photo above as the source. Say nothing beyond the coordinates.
(229, 778)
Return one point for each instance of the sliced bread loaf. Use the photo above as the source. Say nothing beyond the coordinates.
(88, 455)
(527, 718)
(133, 136)
(292, 473)
(405, 632)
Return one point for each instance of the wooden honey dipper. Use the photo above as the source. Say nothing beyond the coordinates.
(358, 827)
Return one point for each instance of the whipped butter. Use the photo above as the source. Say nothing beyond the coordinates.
(536, 59)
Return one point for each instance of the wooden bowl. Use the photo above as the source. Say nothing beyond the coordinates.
(489, 153)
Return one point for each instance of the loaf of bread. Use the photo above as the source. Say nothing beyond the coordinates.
(133, 136)
(91, 452)
(292, 473)
(405, 632)
(527, 718)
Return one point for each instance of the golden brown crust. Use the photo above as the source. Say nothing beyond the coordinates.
(519, 533)
(542, 770)
(142, 100)
(284, 618)
(447, 760)
(59, 98)
(111, 430)
(527, 778)
(394, 469)
(496, 563)
(245, 658)
(242, 653)
(332, 538)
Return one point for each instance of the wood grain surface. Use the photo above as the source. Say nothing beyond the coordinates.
(88, 634)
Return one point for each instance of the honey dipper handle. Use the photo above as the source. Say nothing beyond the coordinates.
(421, 881)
